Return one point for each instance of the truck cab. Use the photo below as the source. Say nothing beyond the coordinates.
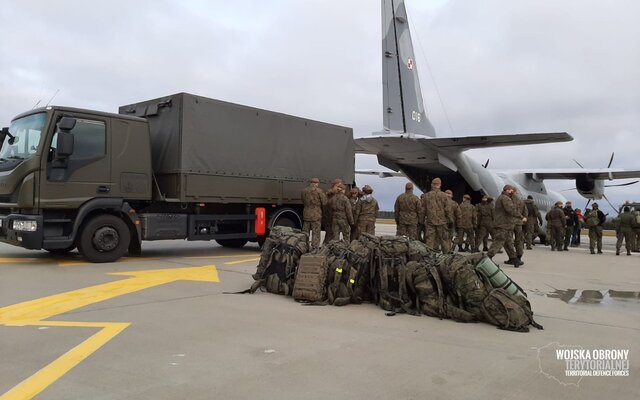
(60, 166)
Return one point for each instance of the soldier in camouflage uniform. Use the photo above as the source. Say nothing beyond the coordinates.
(572, 220)
(466, 220)
(534, 220)
(557, 223)
(505, 212)
(313, 199)
(453, 207)
(438, 217)
(354, 197)
(342, 215)
(518, 222)
(408, 211)
(366, 212)
(594, 220)
(626, 223)
(327, 217)
(484, 212)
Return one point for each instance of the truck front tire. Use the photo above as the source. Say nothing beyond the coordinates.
(104, 238)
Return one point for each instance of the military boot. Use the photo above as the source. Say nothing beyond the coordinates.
(529, 247)
(466, 248)
(592, 252)
(460, 248)
(485, 248)
(617, 252)
(519, 262)
(511, 261)
(628, 252)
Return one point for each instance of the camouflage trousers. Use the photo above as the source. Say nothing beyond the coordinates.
(518, 240)
(341, 226)
(367, 227)
(482, 236)
(502, 238)
(410, 231)
(557, 237)
(469, 240)
(629, 238)
(437, 236)
(312, 228)
(636, 246)
(595, 238)
(568, 233)
(530, 232)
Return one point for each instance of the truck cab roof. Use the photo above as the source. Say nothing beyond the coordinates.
(73, 110)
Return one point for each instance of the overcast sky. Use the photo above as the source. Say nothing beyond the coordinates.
(500, 66)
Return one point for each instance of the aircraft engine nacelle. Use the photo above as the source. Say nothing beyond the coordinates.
(590, 188)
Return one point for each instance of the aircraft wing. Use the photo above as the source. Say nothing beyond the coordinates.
(574, 173)
(390, 142)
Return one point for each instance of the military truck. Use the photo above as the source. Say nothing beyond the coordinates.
(176, 167)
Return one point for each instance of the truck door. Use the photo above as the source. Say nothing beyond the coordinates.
(85, 174)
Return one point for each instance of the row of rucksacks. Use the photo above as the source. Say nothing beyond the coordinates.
(398, 274)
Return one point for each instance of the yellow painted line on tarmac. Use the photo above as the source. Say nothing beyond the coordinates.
(12, 260)
(75, 263)
(36, 383)
(242, 261)
(33, 312)
(229, 256)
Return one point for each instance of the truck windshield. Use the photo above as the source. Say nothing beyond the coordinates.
(25, 137)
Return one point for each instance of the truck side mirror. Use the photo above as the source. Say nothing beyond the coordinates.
(3, 134)
(66, 124)
(64, 145)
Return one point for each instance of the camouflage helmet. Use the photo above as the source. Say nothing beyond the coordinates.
(448, 191)
(367, 189)
(508, 187)
(466, 197)
(436, 181)
(408, 186)
(314, 180)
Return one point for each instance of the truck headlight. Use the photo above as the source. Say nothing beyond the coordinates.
(26, 226)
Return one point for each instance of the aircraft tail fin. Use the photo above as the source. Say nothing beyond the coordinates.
(404, 110)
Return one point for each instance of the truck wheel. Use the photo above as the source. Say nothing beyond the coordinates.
(233, 243)
(105, 238)
(285, 222)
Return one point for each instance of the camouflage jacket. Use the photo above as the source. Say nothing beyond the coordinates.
(505, 212)
(313, 200)
(408, 210)
(484, 212)
(453, 209)
(627, 222)
(436, 208)
(556, 218)
(366, 209)
(466, 216)
(341, 208)
(532, 212)
(521, 208)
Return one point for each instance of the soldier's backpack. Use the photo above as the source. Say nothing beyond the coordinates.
(311, 279)
(592, 219)
(508, 311)
(389, 275)
(430, 293)
(279, 260)
(417, 251)
(360, 257)
(465, 287)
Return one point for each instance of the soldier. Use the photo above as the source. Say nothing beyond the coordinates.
(327, 217)
(366, 212)
(518, 223)
(342, 215)
(627, 222)
(636, 231)
(505, 212)
(453, 206)
(313, 199)
(354, 197)
(572, 220)
(408, 211)
(594, 220)
(534, 220)
(557, 224)
(484, 212)
(466, 220)
(575, 238)
(437, 218)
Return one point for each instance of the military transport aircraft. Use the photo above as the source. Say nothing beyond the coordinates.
(409, 144)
